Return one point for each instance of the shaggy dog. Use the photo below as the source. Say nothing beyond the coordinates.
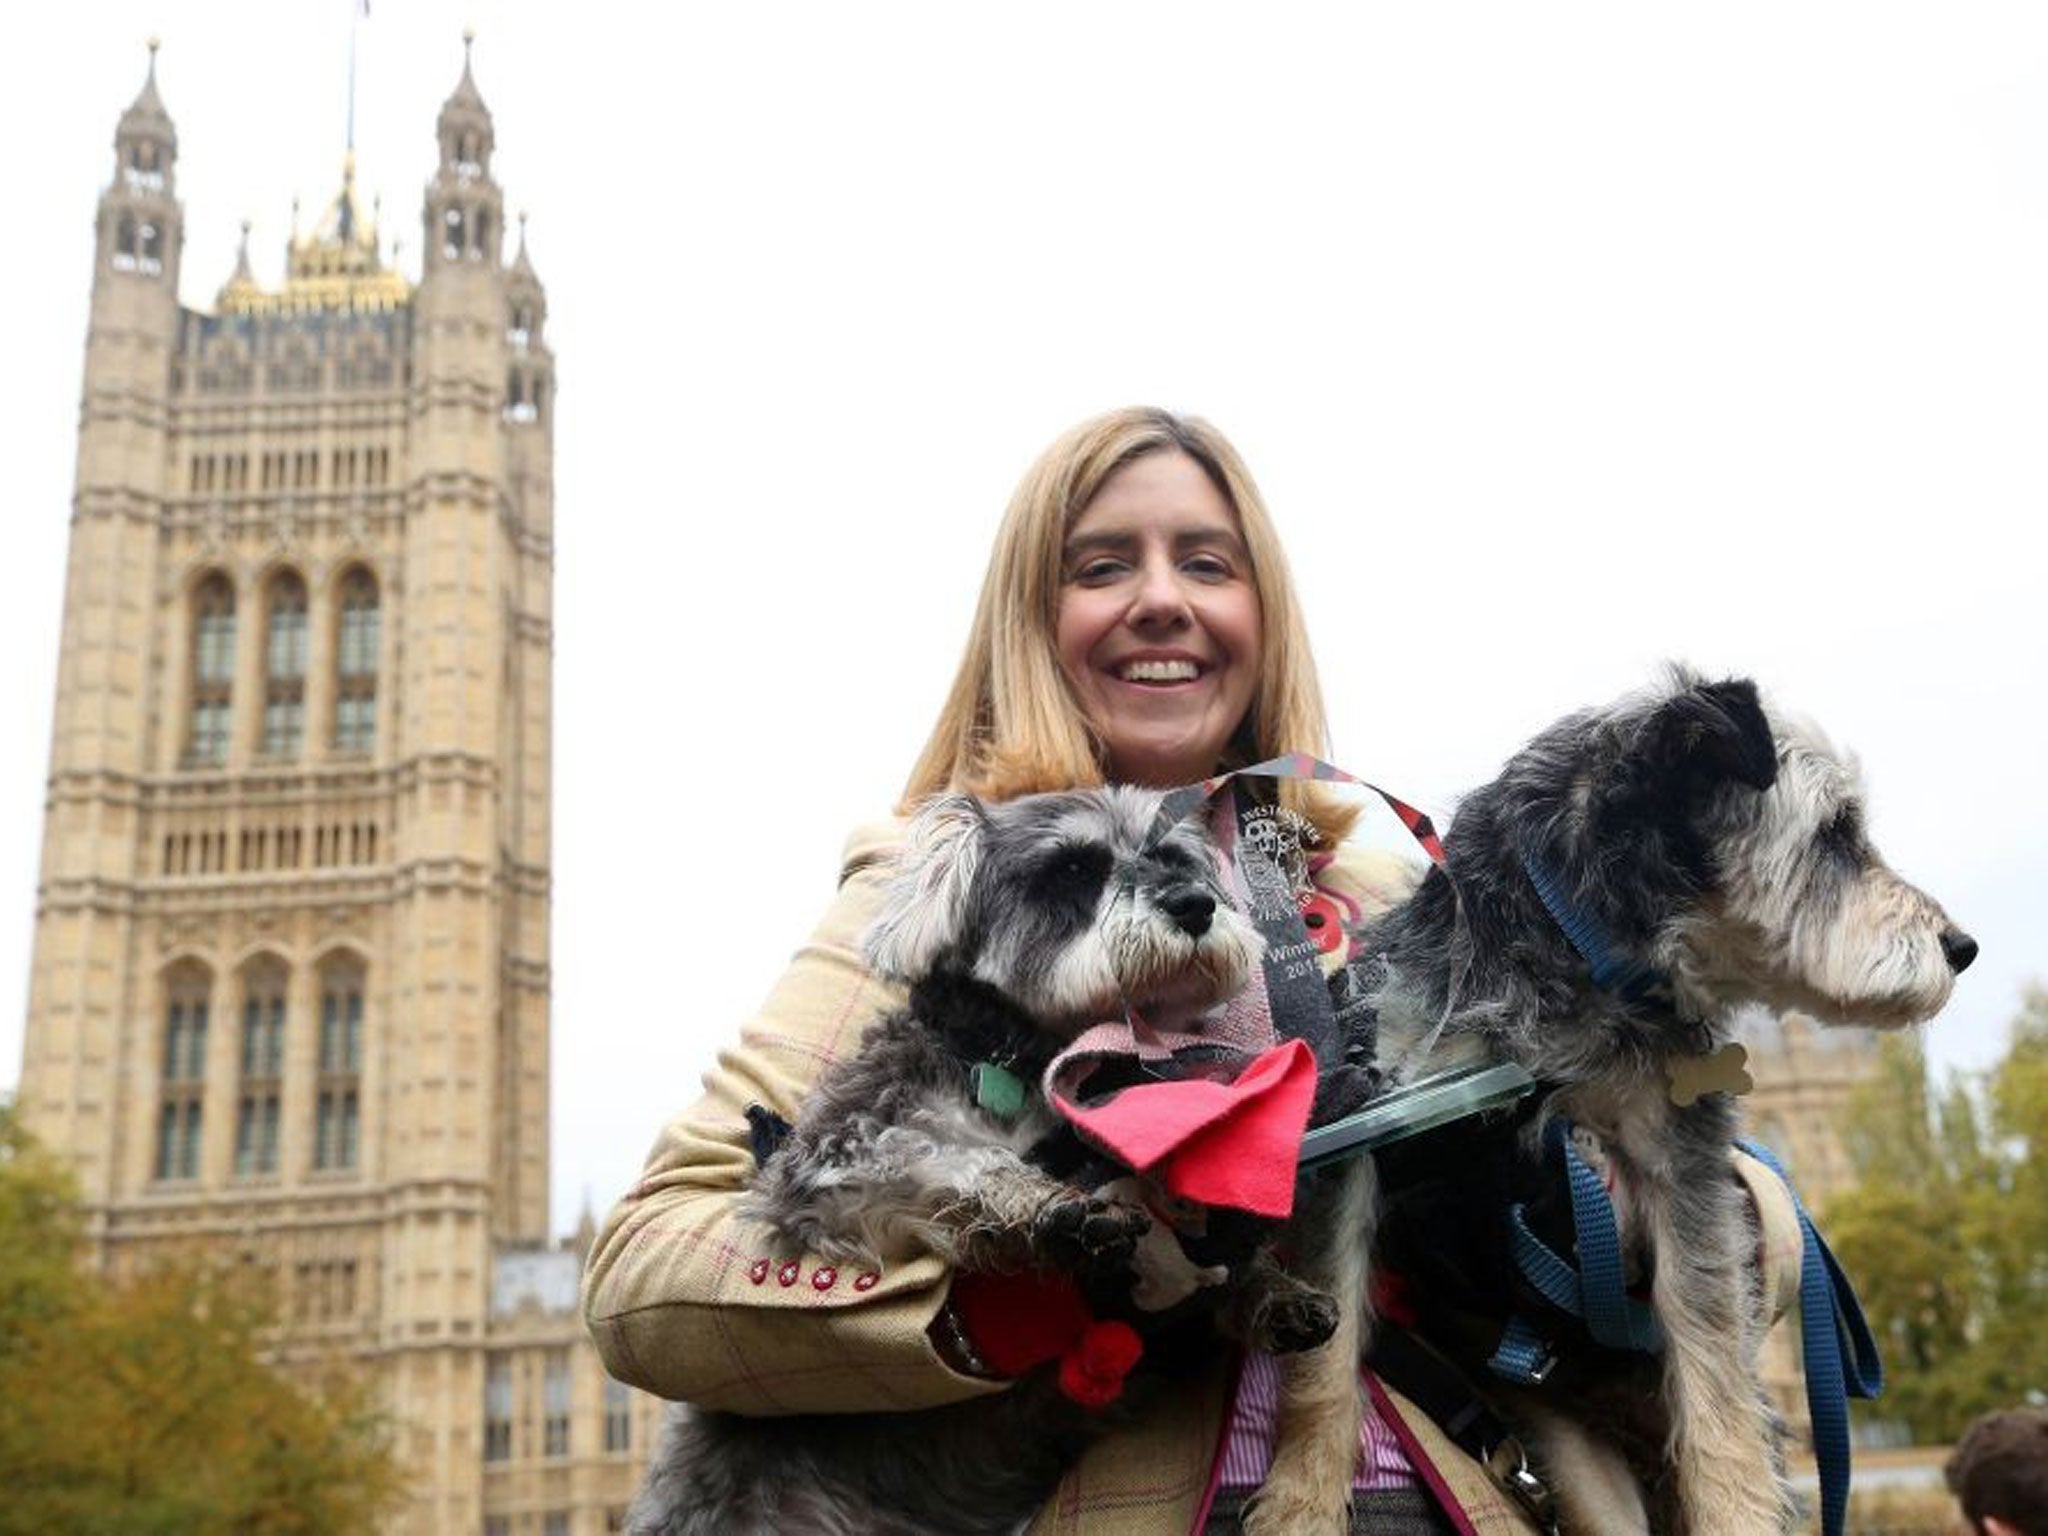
(1632, 879)
(1016, 925)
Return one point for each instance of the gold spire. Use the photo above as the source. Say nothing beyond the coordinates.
(240, 289)
(335, 267)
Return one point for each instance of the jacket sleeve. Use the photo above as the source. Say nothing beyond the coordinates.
(686, 1299)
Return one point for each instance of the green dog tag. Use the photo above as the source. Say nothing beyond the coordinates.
(997, 1090)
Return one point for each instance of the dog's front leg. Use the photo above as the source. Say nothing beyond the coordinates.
(1727, 1478)
(1278, 1312)
(1015, 1216)
(1315, 1448)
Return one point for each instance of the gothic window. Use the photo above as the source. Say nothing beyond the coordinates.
(521, 332)
(517, 406)
(261, 1094)
(482, 244)
(152, 256)
(338, 1102)
(618, 1416)
(284, 667)
(555, 1427)
(213, 669)
(124, 244)
(145, 168)
(451, 245)
(355, 667)
(498, 1409)
(182, 1078)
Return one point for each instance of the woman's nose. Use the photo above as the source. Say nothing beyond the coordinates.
(1160, 597)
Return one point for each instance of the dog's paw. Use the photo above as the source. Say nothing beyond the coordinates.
(1087, 1234)
(1343, 1090)
(1300, 1320)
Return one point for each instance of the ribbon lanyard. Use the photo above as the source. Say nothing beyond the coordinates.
(1262, 839)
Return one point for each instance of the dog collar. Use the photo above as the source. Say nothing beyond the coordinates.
(1627, 978)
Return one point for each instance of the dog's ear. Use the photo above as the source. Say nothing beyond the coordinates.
(928, 896)
(1709, 734)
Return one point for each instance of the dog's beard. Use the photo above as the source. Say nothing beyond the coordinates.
(1865, 953)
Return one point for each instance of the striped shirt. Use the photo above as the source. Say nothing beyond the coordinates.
(1248, 1438)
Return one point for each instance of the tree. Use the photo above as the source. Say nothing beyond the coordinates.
(1946, 1233)
(145, 1407)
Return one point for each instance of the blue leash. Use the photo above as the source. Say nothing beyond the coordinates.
(1594, 1291)
(1841, 1357)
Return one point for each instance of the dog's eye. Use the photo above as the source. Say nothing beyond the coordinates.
(1075, 872)
(1841, 839)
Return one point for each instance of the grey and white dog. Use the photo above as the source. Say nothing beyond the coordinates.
(1016, 925)
(1716, 848)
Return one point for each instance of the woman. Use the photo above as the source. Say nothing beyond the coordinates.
(1137, 624)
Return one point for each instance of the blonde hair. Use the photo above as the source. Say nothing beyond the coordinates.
(1011, 724)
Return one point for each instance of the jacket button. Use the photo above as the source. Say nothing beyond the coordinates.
(824, 1278)
(788, 1273)
(865, 1280)
(758, 1271)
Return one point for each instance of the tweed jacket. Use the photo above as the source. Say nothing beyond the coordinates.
(686, 1300)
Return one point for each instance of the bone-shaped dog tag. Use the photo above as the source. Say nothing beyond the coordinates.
(1724, 1071)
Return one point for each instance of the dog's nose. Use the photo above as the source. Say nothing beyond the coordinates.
(1958, 948)
(1191, 907)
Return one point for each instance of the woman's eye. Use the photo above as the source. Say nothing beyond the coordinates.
(1210, 566)
(1099, 571)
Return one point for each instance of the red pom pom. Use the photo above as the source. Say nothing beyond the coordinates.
(1092, 1372)
(1018, 1321)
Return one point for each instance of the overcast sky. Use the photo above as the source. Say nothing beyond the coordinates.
(1561, 339)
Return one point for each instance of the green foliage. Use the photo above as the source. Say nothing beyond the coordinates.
(143, 1406)
(1946, 1234)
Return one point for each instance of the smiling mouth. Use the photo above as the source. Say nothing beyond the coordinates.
(1158, 672)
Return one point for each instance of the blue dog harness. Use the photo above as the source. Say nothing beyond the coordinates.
(1840, 1357)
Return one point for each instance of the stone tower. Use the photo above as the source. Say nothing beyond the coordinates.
(289, 992)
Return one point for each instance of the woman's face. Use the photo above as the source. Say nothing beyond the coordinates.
(1159, 625)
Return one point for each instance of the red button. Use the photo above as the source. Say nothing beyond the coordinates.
(758, 1271)
(788, 1273)
(865, 1280)
(824, 1277)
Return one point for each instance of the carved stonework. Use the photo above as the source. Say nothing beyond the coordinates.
(332, 424)
(285, 529)
(213, 529)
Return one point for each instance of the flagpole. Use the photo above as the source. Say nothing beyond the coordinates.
(355, 12)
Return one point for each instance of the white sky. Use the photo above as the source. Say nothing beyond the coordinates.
(1562, 339)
